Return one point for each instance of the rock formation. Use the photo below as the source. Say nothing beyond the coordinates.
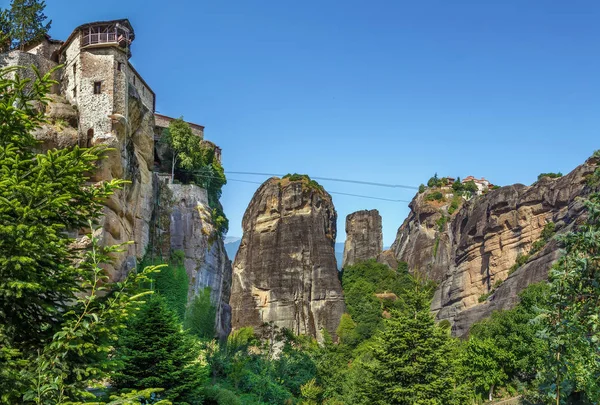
(471, 251)
(285, 270)
(364, 237)
(182, 222)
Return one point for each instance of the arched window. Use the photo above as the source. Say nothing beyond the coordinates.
(90, 135)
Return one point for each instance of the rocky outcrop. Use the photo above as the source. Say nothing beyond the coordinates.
(364, 237)
(285, 270)
(182, 222)
(127, 213)
(471, 252)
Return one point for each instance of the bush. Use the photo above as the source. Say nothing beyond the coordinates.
(521, 260)
(312, 184)
(454, 204)
(441, 223)
(434, 196)
(422, 188)
(484, 297)
(551, 175)
(470, 186)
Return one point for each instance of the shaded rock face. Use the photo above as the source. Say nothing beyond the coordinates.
(285, 270)
(364, 237)
(481, 242)
(191, 230)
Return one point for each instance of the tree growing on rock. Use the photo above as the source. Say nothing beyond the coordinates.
(185, 146)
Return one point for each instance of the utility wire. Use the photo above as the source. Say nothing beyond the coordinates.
(330, 192)
(369, 183)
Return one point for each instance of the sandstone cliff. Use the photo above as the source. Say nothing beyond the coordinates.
(471, 251)
(364, 237)
(182, 222)
(285, 270)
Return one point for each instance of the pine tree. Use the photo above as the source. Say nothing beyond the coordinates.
(200, 316)
(412, 360)
(5, 30)
(28, 22)
(156, 353)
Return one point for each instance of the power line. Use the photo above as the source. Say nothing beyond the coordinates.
(330, 192)
(369, 183)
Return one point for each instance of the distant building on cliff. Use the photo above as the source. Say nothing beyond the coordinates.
(482, 184)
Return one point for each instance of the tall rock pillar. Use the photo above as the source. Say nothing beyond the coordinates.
(364, 237)
(285, 270)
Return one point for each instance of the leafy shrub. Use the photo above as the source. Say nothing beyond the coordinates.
(550, 175)
(548, 231)
(434, 196)
(470, 186)
(441, 223)
(422, 188)
(312, 184)
(454, 204)
(521, 260)
(484, 297)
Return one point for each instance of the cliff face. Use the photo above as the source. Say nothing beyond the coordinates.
(182, 222)
(364, 237)
(471, 251)
(285, 270)
(128, 211)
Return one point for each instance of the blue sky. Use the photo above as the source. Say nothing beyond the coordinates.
(386, 90)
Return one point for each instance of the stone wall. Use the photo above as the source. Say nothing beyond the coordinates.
(25, 59)
(146, 94)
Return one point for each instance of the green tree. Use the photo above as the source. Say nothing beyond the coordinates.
(571, 323)
(28, 22)
(185, 146)
(470, 186)
(155, 353)
(5, 31)
(58, 312)
(200, 316)
(484, 362)
(412, 359)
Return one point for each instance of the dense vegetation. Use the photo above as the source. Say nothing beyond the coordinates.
(195, 163)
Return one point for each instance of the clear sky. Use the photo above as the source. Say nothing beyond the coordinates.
(384, 90)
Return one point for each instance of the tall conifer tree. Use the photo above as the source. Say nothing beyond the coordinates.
(28, 22)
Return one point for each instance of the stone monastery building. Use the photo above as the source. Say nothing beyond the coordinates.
(97, 77)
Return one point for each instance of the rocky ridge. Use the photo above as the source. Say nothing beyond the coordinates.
(285, 270)
(471, 251)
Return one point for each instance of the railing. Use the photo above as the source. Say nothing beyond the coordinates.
(99, 38)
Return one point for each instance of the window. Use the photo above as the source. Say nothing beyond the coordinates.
(75, 91)
(119, 66)
(143, 90)
(134, 80)
(74, 69)
(97, 87)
